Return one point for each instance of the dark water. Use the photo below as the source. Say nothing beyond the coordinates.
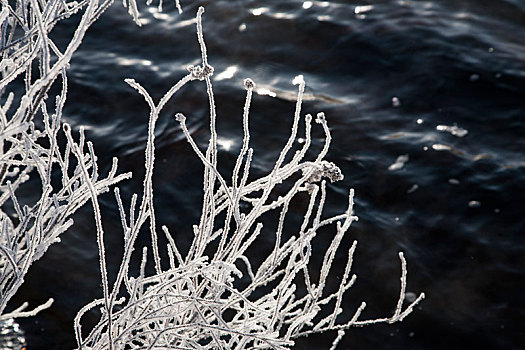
(440, 81)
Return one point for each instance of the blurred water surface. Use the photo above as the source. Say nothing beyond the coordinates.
(426, 103)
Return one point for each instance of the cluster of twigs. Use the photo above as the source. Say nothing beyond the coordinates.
(31, 67)
(210, 297)
(214, 296)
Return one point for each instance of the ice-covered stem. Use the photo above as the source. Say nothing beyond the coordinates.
(399, 313)
(19, 312)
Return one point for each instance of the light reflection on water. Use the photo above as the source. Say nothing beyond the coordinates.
(11, 335)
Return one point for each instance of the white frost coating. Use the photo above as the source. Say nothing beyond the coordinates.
(298, 80)
(209, 297)
(29, 127)
(4, 14)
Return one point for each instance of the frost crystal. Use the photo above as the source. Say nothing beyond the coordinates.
(200, 73)
(325, 169)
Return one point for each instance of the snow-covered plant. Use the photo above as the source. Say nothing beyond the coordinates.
(30, 126)
(32, 68)
(215, 295)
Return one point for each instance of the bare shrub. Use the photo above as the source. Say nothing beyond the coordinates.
(198, 302)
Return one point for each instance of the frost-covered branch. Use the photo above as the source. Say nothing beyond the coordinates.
(215, 296)
(29, 228)
(31, 123)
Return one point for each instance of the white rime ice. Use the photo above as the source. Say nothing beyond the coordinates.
(30, 125)
(198, 302)
(212, 296)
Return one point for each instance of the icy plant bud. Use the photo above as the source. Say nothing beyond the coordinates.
(249, 84)
(200, 73)
(298, 80)
(328, 170)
